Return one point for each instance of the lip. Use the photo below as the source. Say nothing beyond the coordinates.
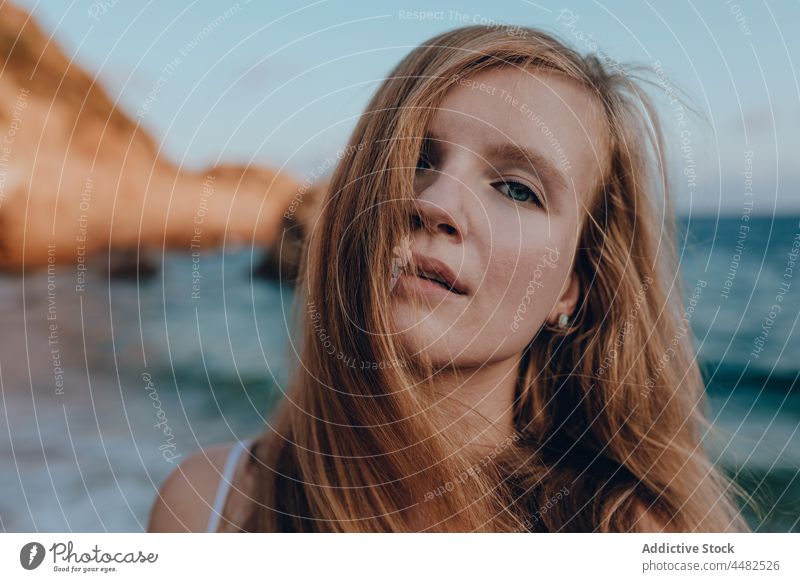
(424, 268)
(411, 284)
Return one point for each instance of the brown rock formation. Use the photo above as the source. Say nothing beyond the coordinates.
(77, 176)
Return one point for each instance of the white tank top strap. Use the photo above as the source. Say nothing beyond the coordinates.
(225, 483)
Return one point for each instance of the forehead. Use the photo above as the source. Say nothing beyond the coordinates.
(540, 110)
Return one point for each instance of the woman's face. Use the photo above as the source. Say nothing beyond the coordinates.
(509, 164)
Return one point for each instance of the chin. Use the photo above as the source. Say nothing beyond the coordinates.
(422, 328)
(444, 340)
(450, 341)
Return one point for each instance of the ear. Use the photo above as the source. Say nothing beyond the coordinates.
(568, 300)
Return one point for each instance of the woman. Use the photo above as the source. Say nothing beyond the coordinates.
(486, 297)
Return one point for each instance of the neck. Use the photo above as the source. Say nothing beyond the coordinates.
(479, 402)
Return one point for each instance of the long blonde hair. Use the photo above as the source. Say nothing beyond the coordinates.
(602, 425)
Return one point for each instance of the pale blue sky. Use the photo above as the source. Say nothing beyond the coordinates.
(283, 82)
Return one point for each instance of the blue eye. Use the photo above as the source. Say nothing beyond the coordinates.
(423, 163)
(520, 193)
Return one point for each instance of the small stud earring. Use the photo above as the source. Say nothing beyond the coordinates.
(563, 321)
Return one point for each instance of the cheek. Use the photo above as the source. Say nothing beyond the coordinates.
(525, 281)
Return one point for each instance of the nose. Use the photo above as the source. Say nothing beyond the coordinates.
(438, 212)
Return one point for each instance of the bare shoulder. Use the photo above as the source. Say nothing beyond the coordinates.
(186, 497)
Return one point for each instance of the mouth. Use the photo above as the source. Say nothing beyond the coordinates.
(437, 272)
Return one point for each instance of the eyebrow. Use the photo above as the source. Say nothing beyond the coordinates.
(539, 163)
